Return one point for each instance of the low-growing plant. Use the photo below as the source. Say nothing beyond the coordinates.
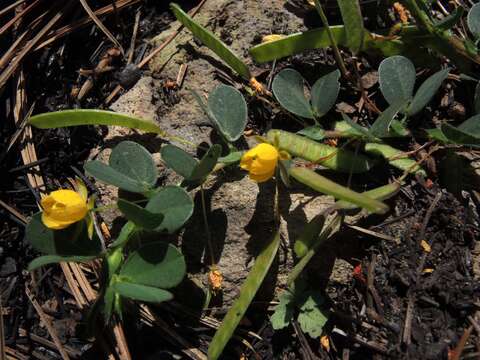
(144, 270)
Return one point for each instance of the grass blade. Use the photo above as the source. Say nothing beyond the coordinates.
(328, 230)
(212, 42)
(319, 39)
(326, 186)
(353, 20)
(67, 118)
(296, 43)
(54, 259)
(247, 293)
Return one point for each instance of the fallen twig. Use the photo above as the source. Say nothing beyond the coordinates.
(102, 27)
(156, 51)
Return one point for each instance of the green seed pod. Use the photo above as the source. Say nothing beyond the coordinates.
(333, 158)
(402, 163)
(326, 186)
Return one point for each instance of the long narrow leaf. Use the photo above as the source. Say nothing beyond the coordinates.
(381, 126)
(212, 42)
(328, 230)
(54, 259)
(353, 20)
(79, 117)
(247, 293)
(297, 43)
(326, 186)
(318, 39)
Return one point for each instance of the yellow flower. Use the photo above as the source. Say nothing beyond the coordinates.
(62, 208)
(260, 162)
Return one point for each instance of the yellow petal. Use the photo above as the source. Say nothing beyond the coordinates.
(262, 177)
(62, 208)
(260, 162)
(53, 223)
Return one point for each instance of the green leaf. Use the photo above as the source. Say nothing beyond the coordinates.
(156, 264)
(476, 98)
(353, 21)
(397, 79)
(212, 42)
(426, 91)
(471, 126)
(108, 301)
(297, 43)
(314, 132)
(130, 168)
(175, 204)
(207, 164)
(312, 318)
(231, 158)
(459, 136)
(108, 175)
(140, 216)
(364, 133)
(127, 231)
(332, 227)
(71, 241)
(333, 158)
(473, 20)
(178, 160)
(451, 20)
(284, 311)
(309, 235)
(399, 160)
(142, 292)
(133, 160)
(229, 111)
(79, 117)
(326, 186)
(247, 293)
(398, 129)
(318, 39)
(55, 259)
(347, 130)
(288, 87)
(325, 92)
(200, 101)
(381, 127)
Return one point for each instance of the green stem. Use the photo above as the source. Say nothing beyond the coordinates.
(447, 44)
(336, 50)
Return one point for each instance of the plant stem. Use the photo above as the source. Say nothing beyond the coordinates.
(336, 51)
(447, 44)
